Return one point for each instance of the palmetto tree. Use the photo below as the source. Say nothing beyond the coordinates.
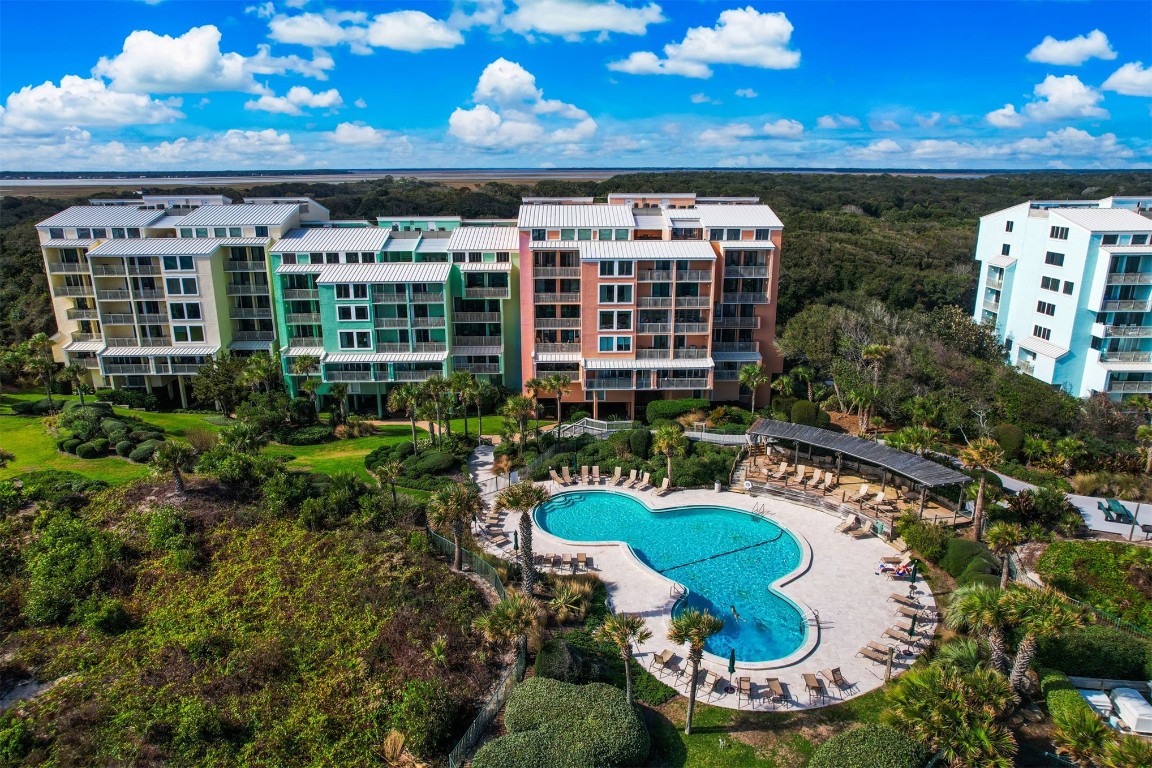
(261, 371)
(1035, 448)
(625, 631)
(484, 392)
(753, 376)
(523, 498)
(434, 389)
(174, 458)
(519, 409)
(558, 385)
(1003, 538)
(875, 355)
(455, 507)
(1126, 752)
(1039, 614)
(981, 455)
(962, 654)
(339, 392)
(693, 628)
(981, 610)
(670, 441)
(535, 388)
(464, 387)
(36, 354)
(388, 472)
(1069, 450)
(1144, 437)
(510, 619)
(244, 437)
(806, 376)
(404, 399)
(304, 365)
(1081, 735)
(76, 375)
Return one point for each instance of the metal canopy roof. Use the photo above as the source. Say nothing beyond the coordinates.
(919, 470)
(386, 357)
(102, 216)
(646, 364)
(259, 346)
(159, 351)
(323, 239)
(392, 272)
(84, 346)
(67, 242)
(484, 239)
(239, 215)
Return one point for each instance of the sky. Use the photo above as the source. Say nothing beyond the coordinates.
(310, 84)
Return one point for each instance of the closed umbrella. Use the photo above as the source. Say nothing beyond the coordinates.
(912, 575)
(912, 627)
(731, 670)
(516, 541)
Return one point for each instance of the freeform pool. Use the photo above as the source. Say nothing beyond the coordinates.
(726, 558)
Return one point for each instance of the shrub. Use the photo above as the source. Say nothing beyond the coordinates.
(16, 739)
(869, 746)
(640, 443)
(979, 568)
(1010, 437)
(431, 463)
(101, 444)
(960, 552)
(143, 452)
(65, 564)
(11, 497)
(928, 539)
(425, 714)
(1059, 694)
(105, 615)
(567, 726)
(664, 410)
(112, 427)
(805, 412)
(1097, 651)
(88, 451)
(35, 407)
(1114, 576)
(313, 435)
(71, 445)
(559, 661)
(200, 439)
(144, 435)
(125, 447)
(575, 416)
(61, 489)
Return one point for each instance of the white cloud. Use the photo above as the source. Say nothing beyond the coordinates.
(360, 103)
(193, 63)
(1130, 80)
(727, 135)
(411, 31)
(572, 18)
(783, 129)
(741, 36)
(883, 147)
(80, 101)
(297, 99)
(1064, 97)
(703, 98)
(511, 111)
(1005, 117)
(837, 121)
(317, 30)
(746, 93)
(1074, 52)
(884, 124)
(263, 10)
(361, 135)
(1067, 146)
(928, 121)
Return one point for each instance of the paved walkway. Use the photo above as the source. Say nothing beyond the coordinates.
(1093, 517)
(841, 586)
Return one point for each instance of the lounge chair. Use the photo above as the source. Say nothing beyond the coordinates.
(837, 679)
(1122, 513)
(665, 488)
(897, 633)
(632, 479)
(712, 681)
(909, 613)
(588, 564)
(744, 689)
(556, 478)
(499, 539)
(781, 471)
(777, 692)
(907, 602)
(660, 659)
(894, 560)
(673, 667)
(646, 481)
(814, 481)
(582, 560)
(861, 494)
(596, 474)
(565, 561)
(567, 476)
(617, 476)
(861, 532)
(848, 523)
(815, 686)
(830, 481)
(877, 501)
(872, 654)
(584, 474)
(801, 471)
(556, 562)
(881, 647)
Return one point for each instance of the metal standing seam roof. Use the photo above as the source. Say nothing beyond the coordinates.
(1041, 347)
(1104, 219)
(304, 352)
(102, 216)
(253, 346)
(601, 250)
(597, 215)
(628, 364)
(394, 272)
(484, 239)
(1003, 262)
(157, 246)
(650, 221)
(744, 216)
(68, 242)
(1127, 248)
(386, 357)
(332, 240)
(748, 245)
(300, 269)
(917, 469)
(159, 351)
(484, 266)
(84, 346)
(239, 215)
(735, 357)
(557, 357)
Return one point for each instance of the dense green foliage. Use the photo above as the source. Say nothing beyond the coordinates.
(1097, 651)
(1110, 575)
(66, 564)
(666, 410)
(929, 540)
(567, 726)
(961, 552)
(869, 746)
(1059, 694)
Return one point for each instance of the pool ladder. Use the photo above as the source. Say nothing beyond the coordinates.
(761, 508)
(677, 591)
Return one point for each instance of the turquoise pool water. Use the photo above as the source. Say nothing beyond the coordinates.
(682, 543)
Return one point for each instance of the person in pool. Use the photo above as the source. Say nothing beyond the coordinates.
(735, 614)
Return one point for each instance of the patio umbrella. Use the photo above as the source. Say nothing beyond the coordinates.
(732, 662)
(912, 627)
(912, 575)
(516, 541)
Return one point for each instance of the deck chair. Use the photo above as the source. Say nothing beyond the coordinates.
(566, 561)
(665, 488)
(660, 659)
(632, 479)
(582, 560)
(801, 471)
(880, 647)
(861, 494)
(830, 482)
(556, 478)
(861, 532)
(848, 523)
(837, 679)
(909, 613)
(596, 474)
(815, 686)
(907, 602)
(777, 693)
(617, 476)
(584, 474)
(712, 681)
(646, 481)
(872, 654)
(567, 476)
(877, 501)
(781, 471)
(897, 633)
(744, 690)
(894, 560)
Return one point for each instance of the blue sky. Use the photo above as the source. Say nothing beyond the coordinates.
(169, 84)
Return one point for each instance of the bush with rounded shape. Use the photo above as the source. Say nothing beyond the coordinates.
(101, 445)
(144, 435)
(314, 435)
(575, 416)
(567, 726)
(35, 407)
(112, 427)
(667, 410)
(559, 661)
(425, 714)
(71, 445)
(805, 412)
(431, 463)
(143, 452)
(960, 552)
(928, 539)
(125, 447)
(870, 746)
(1059, 694)
(640, 443)
(106, 615)
(1010, 437)
(60, 443)
(1097, 651)
(88, 451)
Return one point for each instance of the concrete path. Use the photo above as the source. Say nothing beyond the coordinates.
(840, 586)
(1093, 517)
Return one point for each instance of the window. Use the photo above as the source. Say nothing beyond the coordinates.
(1049, 284)
(604, 234)
(538, 235)
(621, 234)
(118, 233)
(1005, 249)
(187, 333)
(763, 234)
(503, 256)
(1058, 233)
(616, 268)
(56, 233)
(185, 232)
(234, 232)
(181, 286)
(458, 258)
(99, 233)
(1041, 332)
(1008, 225)
(219, 232)
(331, 258)
(352, 291)
(615, 294)
(352, 313)
(1055, 259)
(1069, 286)
(615, 321)
(568, 234)
(289, 258)
(133, 233)
(715, 234)
(583, 234)
(178, 263)
(1046, 308)
(355, 339)
(352, 258)
(475, 257)
(190, 311)
(83, 234)
(1109, 239)
(615, 343)
(261, 231)
(1139, 239)
(201, 231)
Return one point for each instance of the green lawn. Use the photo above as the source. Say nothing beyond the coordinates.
(492, 424)
(34, 448)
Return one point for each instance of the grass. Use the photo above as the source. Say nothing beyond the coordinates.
(1113, 576)
(34, 449)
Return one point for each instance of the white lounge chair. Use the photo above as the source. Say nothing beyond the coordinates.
(861, 494)
(617, 477)
(584, 474)
(665, 487)
(596, 474)
(632, 479)
(646, 481)
(567, 476)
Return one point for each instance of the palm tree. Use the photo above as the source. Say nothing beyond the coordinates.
(1003, 538)
(404, 399)
(463, 384)
(753, 376)
(670, 441)
(782, 384)
(304, 365)
(261, 370)
(535, 388)
(484, 391)
(981, 610)
(1039, 613)
(559, 385)
(519, 409)
(1144, 437)
(244, 437)
(962, 654)
(389, 472)
(76, 375)
(807, 376)
(875, 355)
(174, 458)
(1069, 449)
(339, 392)
(434, 389)
(1081, 735)
(1034, 448)
(1127, 751)
(625, 631)
(523, 498)
(981, 455)
(36, 353)
(693, 627)
(455, 507)
(510, 619)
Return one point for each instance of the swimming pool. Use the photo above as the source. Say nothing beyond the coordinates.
(724, 557)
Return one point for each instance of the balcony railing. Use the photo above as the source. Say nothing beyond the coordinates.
(683, 383)
(477, 341)
(992, 306)
(1130, 278)
(476, 317)
(256, 336)
(428, 322)
(159, 366)
(118, 319)
(414, 375)
(306, 341)
(303, 318)
(393, 346)
(736, 346)
(151, 341)
(151, 319)
(693, 302)
(244, 266)
(732, 270)
(354, 376)
(621, 382)
(995, 284)
(251, 313)
(390, 322)
(1130, 386)
(67, 267)
(382, 297)
(104, 270)
(736, 322)
(1126, 357)
(73, 290)
(557, 298)
(428, 297)
(694, 276)
(745, 298)
(86, 337)
(558, 348)
(89, 362)
(82, 314)
(723, 375)
(256, 289)
(1129, 331)
(301, 294)
(479, 367)
(655, 275)
(121, 369)
(486, 292)
(1138, 305)
(550, 323)
(654, 302)
(654, 328)
(431, 346)
(556, 272)
(653, 354)
(691, 328)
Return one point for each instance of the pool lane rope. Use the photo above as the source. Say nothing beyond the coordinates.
(723, 554)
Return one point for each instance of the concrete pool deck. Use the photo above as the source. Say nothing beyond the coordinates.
(840, 587)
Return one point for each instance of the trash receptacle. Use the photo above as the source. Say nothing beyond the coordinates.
(718, 487)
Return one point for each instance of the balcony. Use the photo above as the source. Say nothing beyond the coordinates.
(1129, 331)
(556, 272)
(487, 292)
(122, 369)
(654, 328)
(414, 375)
(546, 349)
(393, 346)
(992, 306)
(1126, 357)
(303, 341)
(430, 346)
(477, 341)
(73, 290)
(251, 313)
(82, 314)
(105, 270)
(160, 366)
(86, 337)
(1138, 305)
(479, 367)
(557, 298)
(152, 341)
(690, 353)
(244, 266)
(732, 270)
(256, 289)
(382, 297)
(1142, 387)
(300, 294)
(147, 319)
(67, 267)
(118, 319)
(994, 283)
(736, 322)
(694, 276)
(605, 382)
(655, 275)
(476, 317)
(353, 376)
(428, 322)
(552, 323)
(390, 322)
(88, 362)
(736, 346)
(683, 383)
(1130, 278)
(654, 302)
(256, 336)
(430, 297)
(303, 318)
(726, 375)
(693, 302)
(691, 328)
(745, 298)
(653, 354)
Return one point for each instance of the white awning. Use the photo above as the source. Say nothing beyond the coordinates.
(485, 266)
(1003, 262)
(303, 352)
(1045, 348)
(629, 364)
(387, 357)
(747, 245)
(296, 269)
(557, 357)
(84, 346)
(262, 346)
(159, 351)
(735, 357)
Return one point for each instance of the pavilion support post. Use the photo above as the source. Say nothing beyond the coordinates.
(883, 480)
(923, 499)
(796, 453)
(839, 461)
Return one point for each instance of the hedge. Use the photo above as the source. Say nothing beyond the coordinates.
(35, 407)
(125, 447)
(559, 661)
(870, 746)
(960, 553)
(562, 725)
(71, 445)
(805, 412)
(143, 435)
(1097, 651)
(1010, 437)
(112, 427)
(88, 451)
(640, 443)
(306, 436)
(665, 410)
(1059, 694)
(144, 451)
(929, 540)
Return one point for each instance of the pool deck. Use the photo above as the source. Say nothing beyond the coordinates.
(841, 587)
